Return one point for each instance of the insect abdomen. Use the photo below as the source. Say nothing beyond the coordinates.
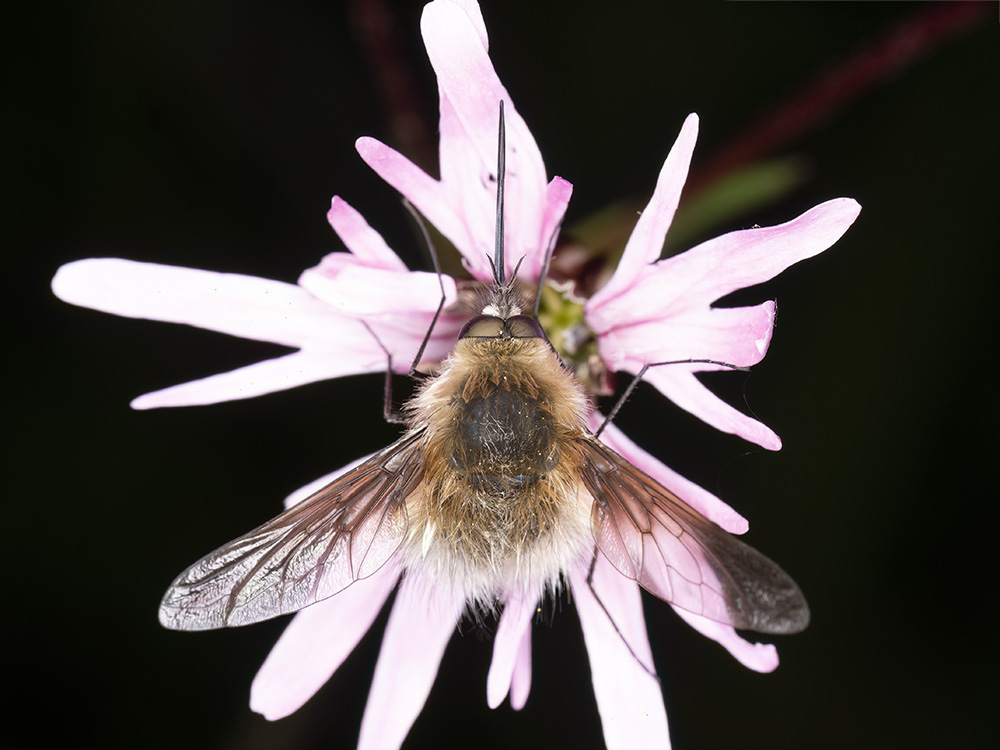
(503, 441)
(499, 503)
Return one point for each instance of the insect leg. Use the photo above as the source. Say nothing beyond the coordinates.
(391, 415)
(597, 598)
(545, 268)
(437, 269)
(635, 382)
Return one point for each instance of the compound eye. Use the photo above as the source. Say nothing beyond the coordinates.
(524, 327)
(482, 327)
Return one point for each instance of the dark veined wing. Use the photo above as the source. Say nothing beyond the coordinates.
(343, 532)
(653, 537)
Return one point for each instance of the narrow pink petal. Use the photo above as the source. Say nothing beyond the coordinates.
(365, 244)
(760, 657)
(735, 335)
(404, 342)
(646, 242)
(245, 306)
(315, 644)
(520, 682)
(685, 390)
(469, 136)
(557, 196)
(462, 204)
(397, 307)
(457, 55)
(628, 695)
(700, 499)
(513, 628)
(420, 626)
(364, 292)
(469, 183)
(333, 344)
(475, 14)
(268, 376)
(428, 196)
(747, 257)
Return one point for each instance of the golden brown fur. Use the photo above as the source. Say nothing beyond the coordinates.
(500, 524)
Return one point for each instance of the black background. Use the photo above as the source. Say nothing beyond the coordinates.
(213, 135)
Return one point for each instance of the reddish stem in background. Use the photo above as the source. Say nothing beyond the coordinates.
(378, 35)
(872, 64)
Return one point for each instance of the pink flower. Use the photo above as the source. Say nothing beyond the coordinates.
(462, 204)
(323, 316)
(662, 311)
(650, 311)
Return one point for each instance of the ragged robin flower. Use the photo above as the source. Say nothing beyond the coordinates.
(344, 315)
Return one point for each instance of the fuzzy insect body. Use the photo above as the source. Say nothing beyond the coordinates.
(497, 487)
(501, 504)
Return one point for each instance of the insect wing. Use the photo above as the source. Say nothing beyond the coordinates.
(675, 553)
(341, 533)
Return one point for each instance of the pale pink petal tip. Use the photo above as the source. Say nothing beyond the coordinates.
(420, 626)
(628, 694)
(280, 373)
(685, 390)
(646, 241)
(760, 657)
(315, 644)
(513, 635)
(366, 245)
(475, 14)
(520, 683)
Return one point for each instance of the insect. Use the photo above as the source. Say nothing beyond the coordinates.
(497, 484)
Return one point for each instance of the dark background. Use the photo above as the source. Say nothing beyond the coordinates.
(213, 135)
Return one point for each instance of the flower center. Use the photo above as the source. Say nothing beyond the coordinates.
(561, 316)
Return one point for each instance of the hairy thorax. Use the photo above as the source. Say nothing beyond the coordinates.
(499, 506)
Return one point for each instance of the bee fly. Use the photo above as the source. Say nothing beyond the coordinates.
(497, 485)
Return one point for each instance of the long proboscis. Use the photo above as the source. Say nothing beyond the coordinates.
(499, 270)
